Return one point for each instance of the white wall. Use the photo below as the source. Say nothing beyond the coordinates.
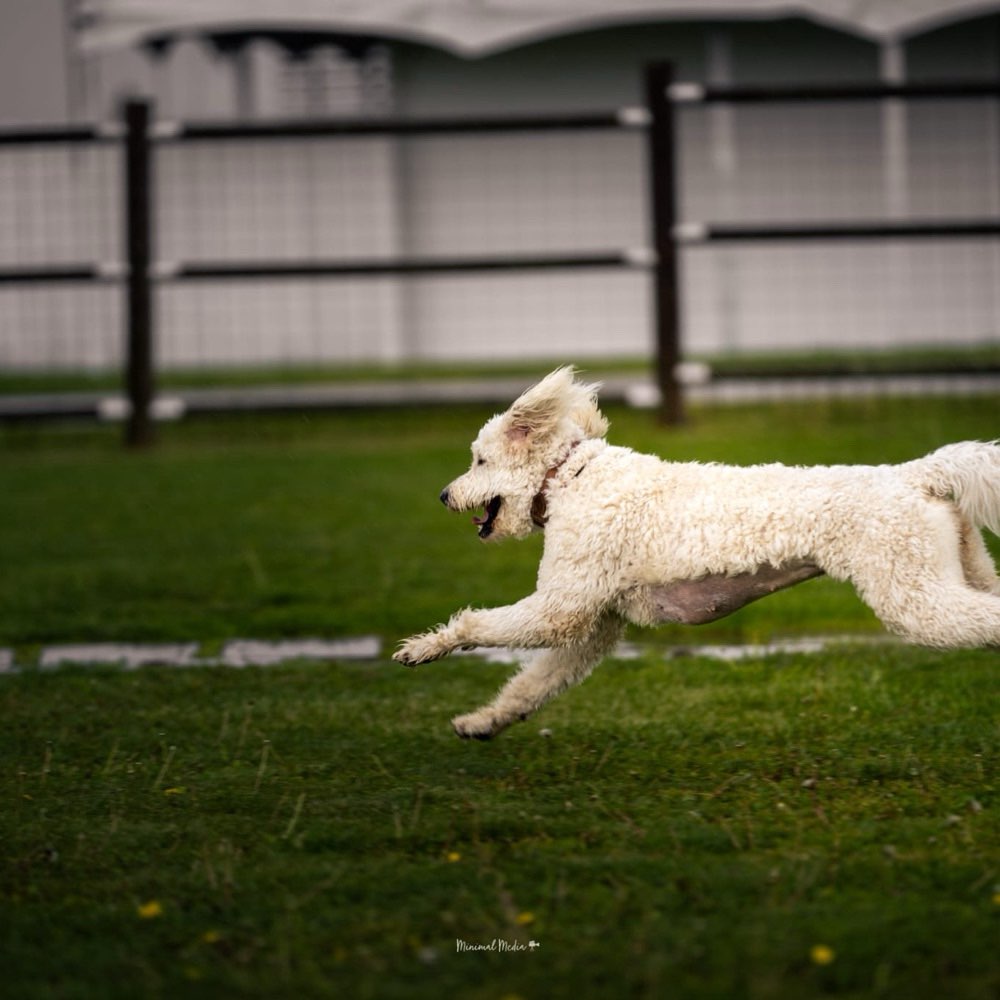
(35, 78)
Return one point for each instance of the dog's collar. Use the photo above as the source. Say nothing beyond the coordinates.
(539, 504)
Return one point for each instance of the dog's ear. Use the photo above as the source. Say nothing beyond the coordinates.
(585, 413)
(543, 407)
(539, 409)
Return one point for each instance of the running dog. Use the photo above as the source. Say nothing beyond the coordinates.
(632, 538)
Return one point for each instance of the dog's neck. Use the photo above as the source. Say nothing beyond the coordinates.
(539, 503)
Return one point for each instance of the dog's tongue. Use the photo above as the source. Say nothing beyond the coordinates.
(490, 511)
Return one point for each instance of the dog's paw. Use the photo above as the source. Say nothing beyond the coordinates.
(419, 649)
(481, 725)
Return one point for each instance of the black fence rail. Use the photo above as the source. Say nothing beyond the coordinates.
(694, 233)
(212, 270)
(698, 93)
(55, 273)
(139, 270)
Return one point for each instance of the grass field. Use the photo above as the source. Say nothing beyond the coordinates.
(983, 357)
(779, 828)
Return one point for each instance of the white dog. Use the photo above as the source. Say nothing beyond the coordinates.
(629, 537)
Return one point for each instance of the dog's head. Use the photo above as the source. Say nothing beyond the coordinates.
(516, 449)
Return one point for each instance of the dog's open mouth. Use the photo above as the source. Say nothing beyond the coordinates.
(485, 522)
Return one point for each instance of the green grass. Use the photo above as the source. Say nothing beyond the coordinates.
(110, 380)
(690, 829)
(942, 358)
(331, 525)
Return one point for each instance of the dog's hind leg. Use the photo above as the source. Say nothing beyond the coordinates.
(921, 589)
(542, 678)
(977, 564)
(943, 614)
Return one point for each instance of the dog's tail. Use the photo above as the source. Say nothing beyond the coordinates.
(967, 473)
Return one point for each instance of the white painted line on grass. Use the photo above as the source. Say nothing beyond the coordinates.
(265, 653)
(130, 655)
(236, 653)
(260, 653)
(731, 652)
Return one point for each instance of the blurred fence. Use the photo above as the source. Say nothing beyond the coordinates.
(847, 218)
(859, 218)
(439, 240)
(346, 230)
(60, 249)
(328, 242)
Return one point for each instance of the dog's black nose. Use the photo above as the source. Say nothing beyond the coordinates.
(444, 496)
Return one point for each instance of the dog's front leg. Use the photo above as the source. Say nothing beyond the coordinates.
(541, 679)
(535, 621)
(426, 647)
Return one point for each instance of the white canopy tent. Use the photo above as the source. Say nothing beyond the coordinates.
(474, 28)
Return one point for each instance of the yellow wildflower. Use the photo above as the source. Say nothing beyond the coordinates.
(525, 918)
(149, 910)
(822, 954)
(453, 856)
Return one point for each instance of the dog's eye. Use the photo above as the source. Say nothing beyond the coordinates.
(480, 461)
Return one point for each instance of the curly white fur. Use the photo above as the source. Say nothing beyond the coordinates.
(629, 537)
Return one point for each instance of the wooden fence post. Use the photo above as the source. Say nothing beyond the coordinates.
(663, 197)
(139, 430)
